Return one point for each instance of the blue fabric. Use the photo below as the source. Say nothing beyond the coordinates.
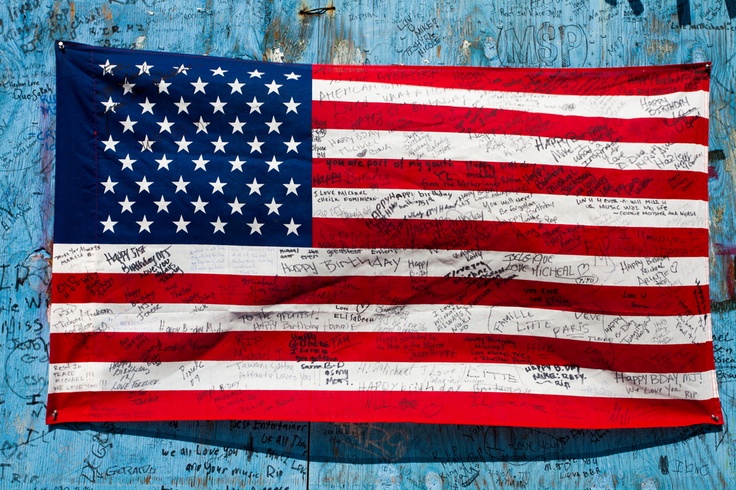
(93, 105)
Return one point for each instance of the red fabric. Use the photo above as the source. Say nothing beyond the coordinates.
(428, 407)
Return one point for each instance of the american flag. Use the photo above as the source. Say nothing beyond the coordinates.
(239, 239)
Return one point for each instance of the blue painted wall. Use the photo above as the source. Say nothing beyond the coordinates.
(257, 455)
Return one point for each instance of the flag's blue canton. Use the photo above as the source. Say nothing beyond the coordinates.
(202, 150)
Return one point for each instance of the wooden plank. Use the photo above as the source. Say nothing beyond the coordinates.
(253, 455)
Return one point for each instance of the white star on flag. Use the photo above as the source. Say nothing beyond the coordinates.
(274, 164)
(181, 225)
(183, 144)
(110, 144)
(219, 225)
(218, 106)
(236, 206)
(165, 125)
(144, 185)
(146, 144)
(291, 106)
(182, 105)
(201, 125)
(273, 87)
(110, 105)
(128, 124)
(237, 164)
(291, 187)
(127, 87)
(292, 145)
(107, 68)
(292, 227)
(109, 185)
(147, 106)
(236, 87)
(145, 225)
(163, 205)
(255, 187)
(255, 227)
(200, 163)
(255, 145)
(218, 186)
(145, 68)
(109, 224)
(199, 85)
(273, 125)
(163, 87)
(219, 144)
(127, 162)
(199, 205)
(255, 106)
(127, 205)
(237, 125)
(273, 206)
(181, 185)
(163, 162)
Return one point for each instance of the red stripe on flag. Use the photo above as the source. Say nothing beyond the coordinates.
(388, 290)
(579, 81)
(413, 117)
(377, 347)
(599, 241)
(359, 173)
(505, 409)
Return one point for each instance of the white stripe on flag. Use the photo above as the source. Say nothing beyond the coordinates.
(619, 106)
(302, 262)
(508, 207)
(378, 376)
(345, 143)
(471, 319)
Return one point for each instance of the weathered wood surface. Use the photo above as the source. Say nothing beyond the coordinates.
(253, 455)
